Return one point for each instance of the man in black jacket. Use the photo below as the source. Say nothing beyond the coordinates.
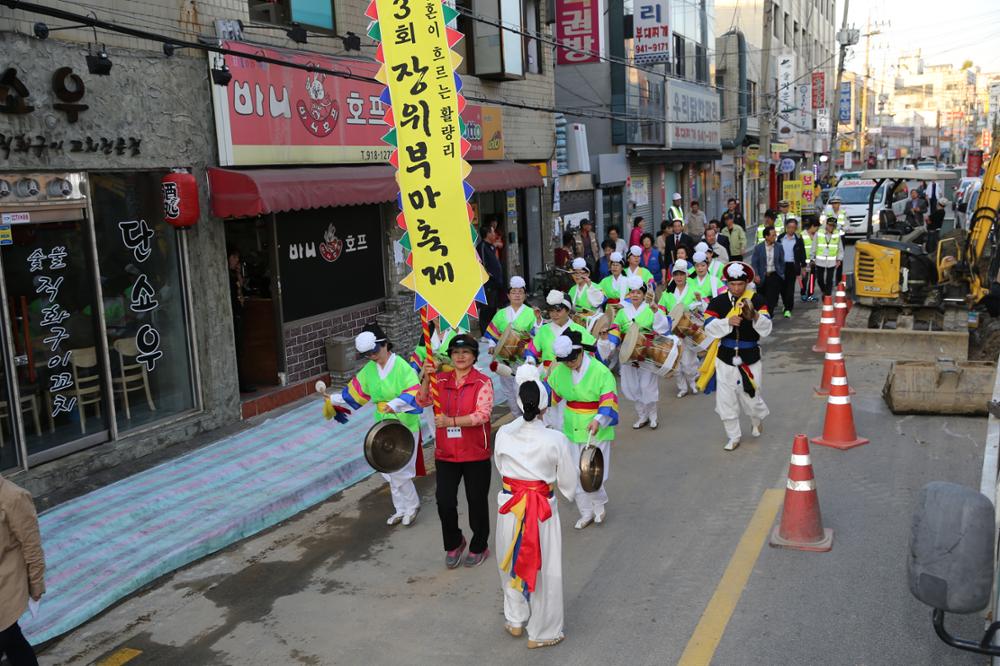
(491, 262)
(675, 238)
(795, 260)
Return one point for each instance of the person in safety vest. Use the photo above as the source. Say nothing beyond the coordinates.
(828, 256)
(836, 213)
(808, 277)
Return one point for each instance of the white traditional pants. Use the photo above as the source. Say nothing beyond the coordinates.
(642, 387)
(730, 397)
(589, 504)
(404, 494)
(686, 371)
(510, 390)
(543, 613)
(553, 416)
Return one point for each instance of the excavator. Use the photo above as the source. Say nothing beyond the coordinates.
(917, 307)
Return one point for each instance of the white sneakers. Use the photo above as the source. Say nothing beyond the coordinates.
(641, 421)
(409, 518)
(652, 422)
(732, 444)
(394, 519)
(683, 392)
(600, 515)
(584, 521)
(406, 518)
(757, 429)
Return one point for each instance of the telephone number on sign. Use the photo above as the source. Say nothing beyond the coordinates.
(376, 155)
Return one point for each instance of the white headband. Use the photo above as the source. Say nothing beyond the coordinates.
(529, 373)
(517, 282)
(633, 282)
(556, 297)
(680, 266)
(580, 264)
(635, 251)
(700, 257)
(701, 247)
(563, 346)
(366, 342)
(616, 257)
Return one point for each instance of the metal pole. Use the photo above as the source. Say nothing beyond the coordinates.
(864, 89)
(835, 113)
(764, 113)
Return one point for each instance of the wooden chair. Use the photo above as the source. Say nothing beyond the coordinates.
(29, 403)
(87, 387)
(132, 376)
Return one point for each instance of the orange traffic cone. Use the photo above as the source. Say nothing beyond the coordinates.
(826, 322)
(840, 308)
(842, 287)
(801, 525)
(834, 352)
(838, 428)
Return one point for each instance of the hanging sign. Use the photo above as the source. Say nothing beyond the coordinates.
(792, 192)
(787, 165)
(422, 89)
(652, 32)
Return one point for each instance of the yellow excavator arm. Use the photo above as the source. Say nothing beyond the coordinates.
(979, 249)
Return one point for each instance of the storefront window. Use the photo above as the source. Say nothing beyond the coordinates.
(144, 305)
(611, 204)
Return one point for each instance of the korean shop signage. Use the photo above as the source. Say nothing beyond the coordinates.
(578, 26)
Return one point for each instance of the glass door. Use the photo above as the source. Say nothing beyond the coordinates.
(49, 287)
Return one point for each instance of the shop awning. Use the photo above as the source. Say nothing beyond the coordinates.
(252, 192)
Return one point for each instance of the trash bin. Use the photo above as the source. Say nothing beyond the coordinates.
(339, 354)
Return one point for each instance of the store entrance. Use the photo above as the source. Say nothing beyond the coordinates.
(54, 397)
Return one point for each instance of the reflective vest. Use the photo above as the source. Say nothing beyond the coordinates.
(841, 218)
(676, 214)
(826, 247)
(807, 240)
(760, 231)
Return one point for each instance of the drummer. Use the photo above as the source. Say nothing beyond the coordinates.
(393, 384)
(439, 345)
(705, 283)
(679, 297)
(613, 286)
(588, 392)
(540, 349)
(634, 257)
(585, 296)
(639, 384)
(523, 319)
(714, 264)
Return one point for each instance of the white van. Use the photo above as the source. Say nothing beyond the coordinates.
(854, 195)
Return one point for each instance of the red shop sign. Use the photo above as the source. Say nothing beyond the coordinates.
(819, 90)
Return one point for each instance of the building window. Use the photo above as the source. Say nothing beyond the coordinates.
(788, 30)
(679, 56)
(143, 290)
(497, 54)
(311, 13)
(775, 21)
(532, 25)
(701, 63)
(751, 98)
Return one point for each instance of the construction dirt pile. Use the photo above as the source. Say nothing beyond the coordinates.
(984, 343)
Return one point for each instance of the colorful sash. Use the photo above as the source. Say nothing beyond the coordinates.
(706, 373)
(529, 503)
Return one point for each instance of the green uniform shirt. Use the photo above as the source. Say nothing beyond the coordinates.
(595, 394)
(401, 382)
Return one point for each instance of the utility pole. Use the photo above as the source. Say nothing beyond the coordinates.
(764, 110)
(846, 38)
(864, 88)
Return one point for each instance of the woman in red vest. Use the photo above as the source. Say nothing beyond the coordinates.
(462, 449)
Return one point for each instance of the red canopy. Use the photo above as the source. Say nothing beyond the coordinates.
(252, 192)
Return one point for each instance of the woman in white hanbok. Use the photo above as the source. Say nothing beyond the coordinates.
(533, 460)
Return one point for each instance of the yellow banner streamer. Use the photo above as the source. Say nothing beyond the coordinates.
(418, 69)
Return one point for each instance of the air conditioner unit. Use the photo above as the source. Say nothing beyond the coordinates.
(577, 154)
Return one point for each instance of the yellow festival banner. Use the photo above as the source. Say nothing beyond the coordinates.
(424, 92)
(792, 191)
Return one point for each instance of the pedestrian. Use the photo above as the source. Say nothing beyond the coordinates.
(676, 210)
(461, 448)
(933, 225)
(620, 245)
(634, 267)
(829, 256)
(915, 209)
(590, 396)
(682, 296)
(652, 261)
(635, 236)
(639, 384)
(736, 235)
(695, 223)
(835, 212)
(586, 244)
(675, 239)
(779, 219)
(715, 244)
(768, 263)
(524, 320)
(769, 221)
(808, 278)
(795, 260)
(494, 285)
(532, 461)
(738, 319)
(585, 296)
(564, 253)
(22, 570)
(603, 266)
(733, 209)
(237, 299)
(713, 226)
(393, 384)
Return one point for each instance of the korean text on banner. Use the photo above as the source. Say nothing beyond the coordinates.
(423, 89)
(578, 26)
(808, 183)
(786, 94)
(652, 32)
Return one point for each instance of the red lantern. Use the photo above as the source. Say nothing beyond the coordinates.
(180, 200)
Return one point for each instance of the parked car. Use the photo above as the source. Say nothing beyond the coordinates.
(854, 195)
(965, 206)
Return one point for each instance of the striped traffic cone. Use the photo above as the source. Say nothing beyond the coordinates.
(843, 287)
(826, 322)
(838, 427)
(801, 525)
(840, 307)
(834, 352)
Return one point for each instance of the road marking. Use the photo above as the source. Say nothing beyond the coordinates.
(705, 639)
(119, 657)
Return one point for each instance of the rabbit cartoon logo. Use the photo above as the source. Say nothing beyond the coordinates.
(331, 247)
(319, 112)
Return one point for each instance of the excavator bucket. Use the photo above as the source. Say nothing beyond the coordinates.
(943, 386)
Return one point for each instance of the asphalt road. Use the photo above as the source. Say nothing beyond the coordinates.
(336, 586)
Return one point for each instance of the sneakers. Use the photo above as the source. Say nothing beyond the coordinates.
(683, 392)
(652, 422)
(540, 644)
(804, 298)
(639, 423)
(599, 516)
(812, 299)
(788, 314)
(516, 632)
(732, 444)
(394, 519)
(583, 522)
(453, 557)
(757, 429)
(475, 559)
(409, 518)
